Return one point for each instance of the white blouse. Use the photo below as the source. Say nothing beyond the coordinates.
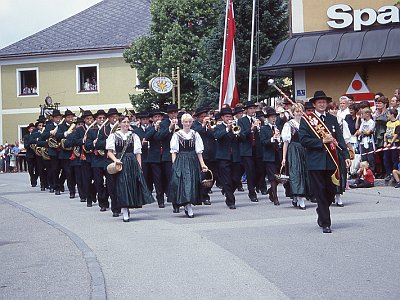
(286, 134)
(137, 145)
(198, 146)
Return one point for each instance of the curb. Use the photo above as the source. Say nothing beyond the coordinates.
(98, 287)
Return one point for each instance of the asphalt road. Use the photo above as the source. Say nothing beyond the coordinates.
(52, 247)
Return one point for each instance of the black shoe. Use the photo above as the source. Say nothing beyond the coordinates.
(276, 202)
(34, 184)
(42, 189)
(62, 189)
(71, 195)
(257, 190)
(340, 205)
(222, 192)
(125, 220)
(94, 200)
(353, 186)
(207, 202)
(326, 229)
(176, 210)
(115, 214)
(89, 204)
(190, 216)
(103, 208)
(253, 199)
(83, 200)
(294, 203)
(51, 190)
(57, 192)
(302, 208)
(161, 205)
(210, 191)
(232, 206)
(240, 189)
(264, 192)
(271, 197)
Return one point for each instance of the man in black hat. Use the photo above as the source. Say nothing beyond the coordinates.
(202, 125)
(88, 193)
(112, 119)
(270, 139)
(228, 156)
(321, 136)
(261, 184)
(52, 165)
(308, 107)
(247, 146)
(64, 154)
(30, 155)
(36, 140)
(167, 129)
(142, 124)
(153, 138)
(98, 159)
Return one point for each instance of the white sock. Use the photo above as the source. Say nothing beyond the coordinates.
(189, 209)
(295, 199)
(338, 199)
(300, 201)
(125, 213)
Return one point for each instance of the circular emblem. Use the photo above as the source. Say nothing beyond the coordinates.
(161, 84)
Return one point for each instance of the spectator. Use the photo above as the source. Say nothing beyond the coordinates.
(22, 165)
(366, 177)
(343, 107)
(396, 176)
(7, 158)
(365, 137)
(2, 158)
(391, 138)
(380, 117)
(14, 157)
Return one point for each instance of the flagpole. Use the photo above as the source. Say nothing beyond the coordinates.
(223, 54)
(251, 49)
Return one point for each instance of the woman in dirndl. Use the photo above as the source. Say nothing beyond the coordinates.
(187, 163)
(294, 159)
(131, 188)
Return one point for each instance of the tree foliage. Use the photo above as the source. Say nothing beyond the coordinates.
(189, 34)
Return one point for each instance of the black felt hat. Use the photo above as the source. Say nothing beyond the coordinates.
(112, 111)
(171, 108)
(201, 110)
(250, 104)
(271, 112)
(156, 112)
(308, 105)
(86, 113)
(142, 114)
(31, 125)
(56, 113)
(225, 111)
(259, 114)
(320, 95)
(100, 112)
(68, 113)
(238, 110)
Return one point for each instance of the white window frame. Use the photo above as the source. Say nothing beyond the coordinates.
(78, 82)
(18, 74)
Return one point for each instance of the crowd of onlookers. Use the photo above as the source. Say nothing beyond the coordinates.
(12, 158)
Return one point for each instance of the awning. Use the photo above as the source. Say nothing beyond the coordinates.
(332, 48)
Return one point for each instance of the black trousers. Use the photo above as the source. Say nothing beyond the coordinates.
(324, 191)
(166, 169)
(32, 170)
(88, 189)
(66, 173)
(112, 191)
(248, 163)
(101, 190)
(229, 174)
(51, 167)
(156, 174)
(260, 174)
(147, 175)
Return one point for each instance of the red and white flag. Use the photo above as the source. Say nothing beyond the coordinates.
(228, 92)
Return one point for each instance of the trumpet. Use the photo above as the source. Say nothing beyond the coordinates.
(235, 128)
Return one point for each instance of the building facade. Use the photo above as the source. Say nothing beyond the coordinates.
(331, 41)
(75, 67)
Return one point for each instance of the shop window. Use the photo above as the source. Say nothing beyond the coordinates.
(27, 82)
(87, 78)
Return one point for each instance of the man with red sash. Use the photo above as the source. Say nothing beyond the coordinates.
(320, 134)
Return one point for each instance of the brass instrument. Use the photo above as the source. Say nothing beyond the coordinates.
(101, 151)
(69, 131)
(44, 153)
(236, 129)
(52, 142)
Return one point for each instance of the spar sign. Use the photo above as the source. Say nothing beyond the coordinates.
(360, 91)
(343, 16)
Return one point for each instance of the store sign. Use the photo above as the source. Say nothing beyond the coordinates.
(161, 84)
(343, 16)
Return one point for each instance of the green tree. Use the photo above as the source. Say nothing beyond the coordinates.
(272, 23)
(176, 32)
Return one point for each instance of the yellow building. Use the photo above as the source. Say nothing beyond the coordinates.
(330, 42)
(77, 62)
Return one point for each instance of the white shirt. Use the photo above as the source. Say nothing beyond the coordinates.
(343, 113)
(286, 134)
(198, 146)
(345, 130)
(137, 145)
(364, 126)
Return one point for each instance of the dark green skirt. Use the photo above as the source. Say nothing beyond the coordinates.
(298, 173)
(185, 183)
(343, 173)
(132, 191)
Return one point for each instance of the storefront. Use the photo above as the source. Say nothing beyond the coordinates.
(331, 42)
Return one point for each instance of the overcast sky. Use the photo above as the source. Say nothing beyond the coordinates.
(22, 18)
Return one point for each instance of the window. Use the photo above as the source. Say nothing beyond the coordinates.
(28, 82)
(87, 78)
